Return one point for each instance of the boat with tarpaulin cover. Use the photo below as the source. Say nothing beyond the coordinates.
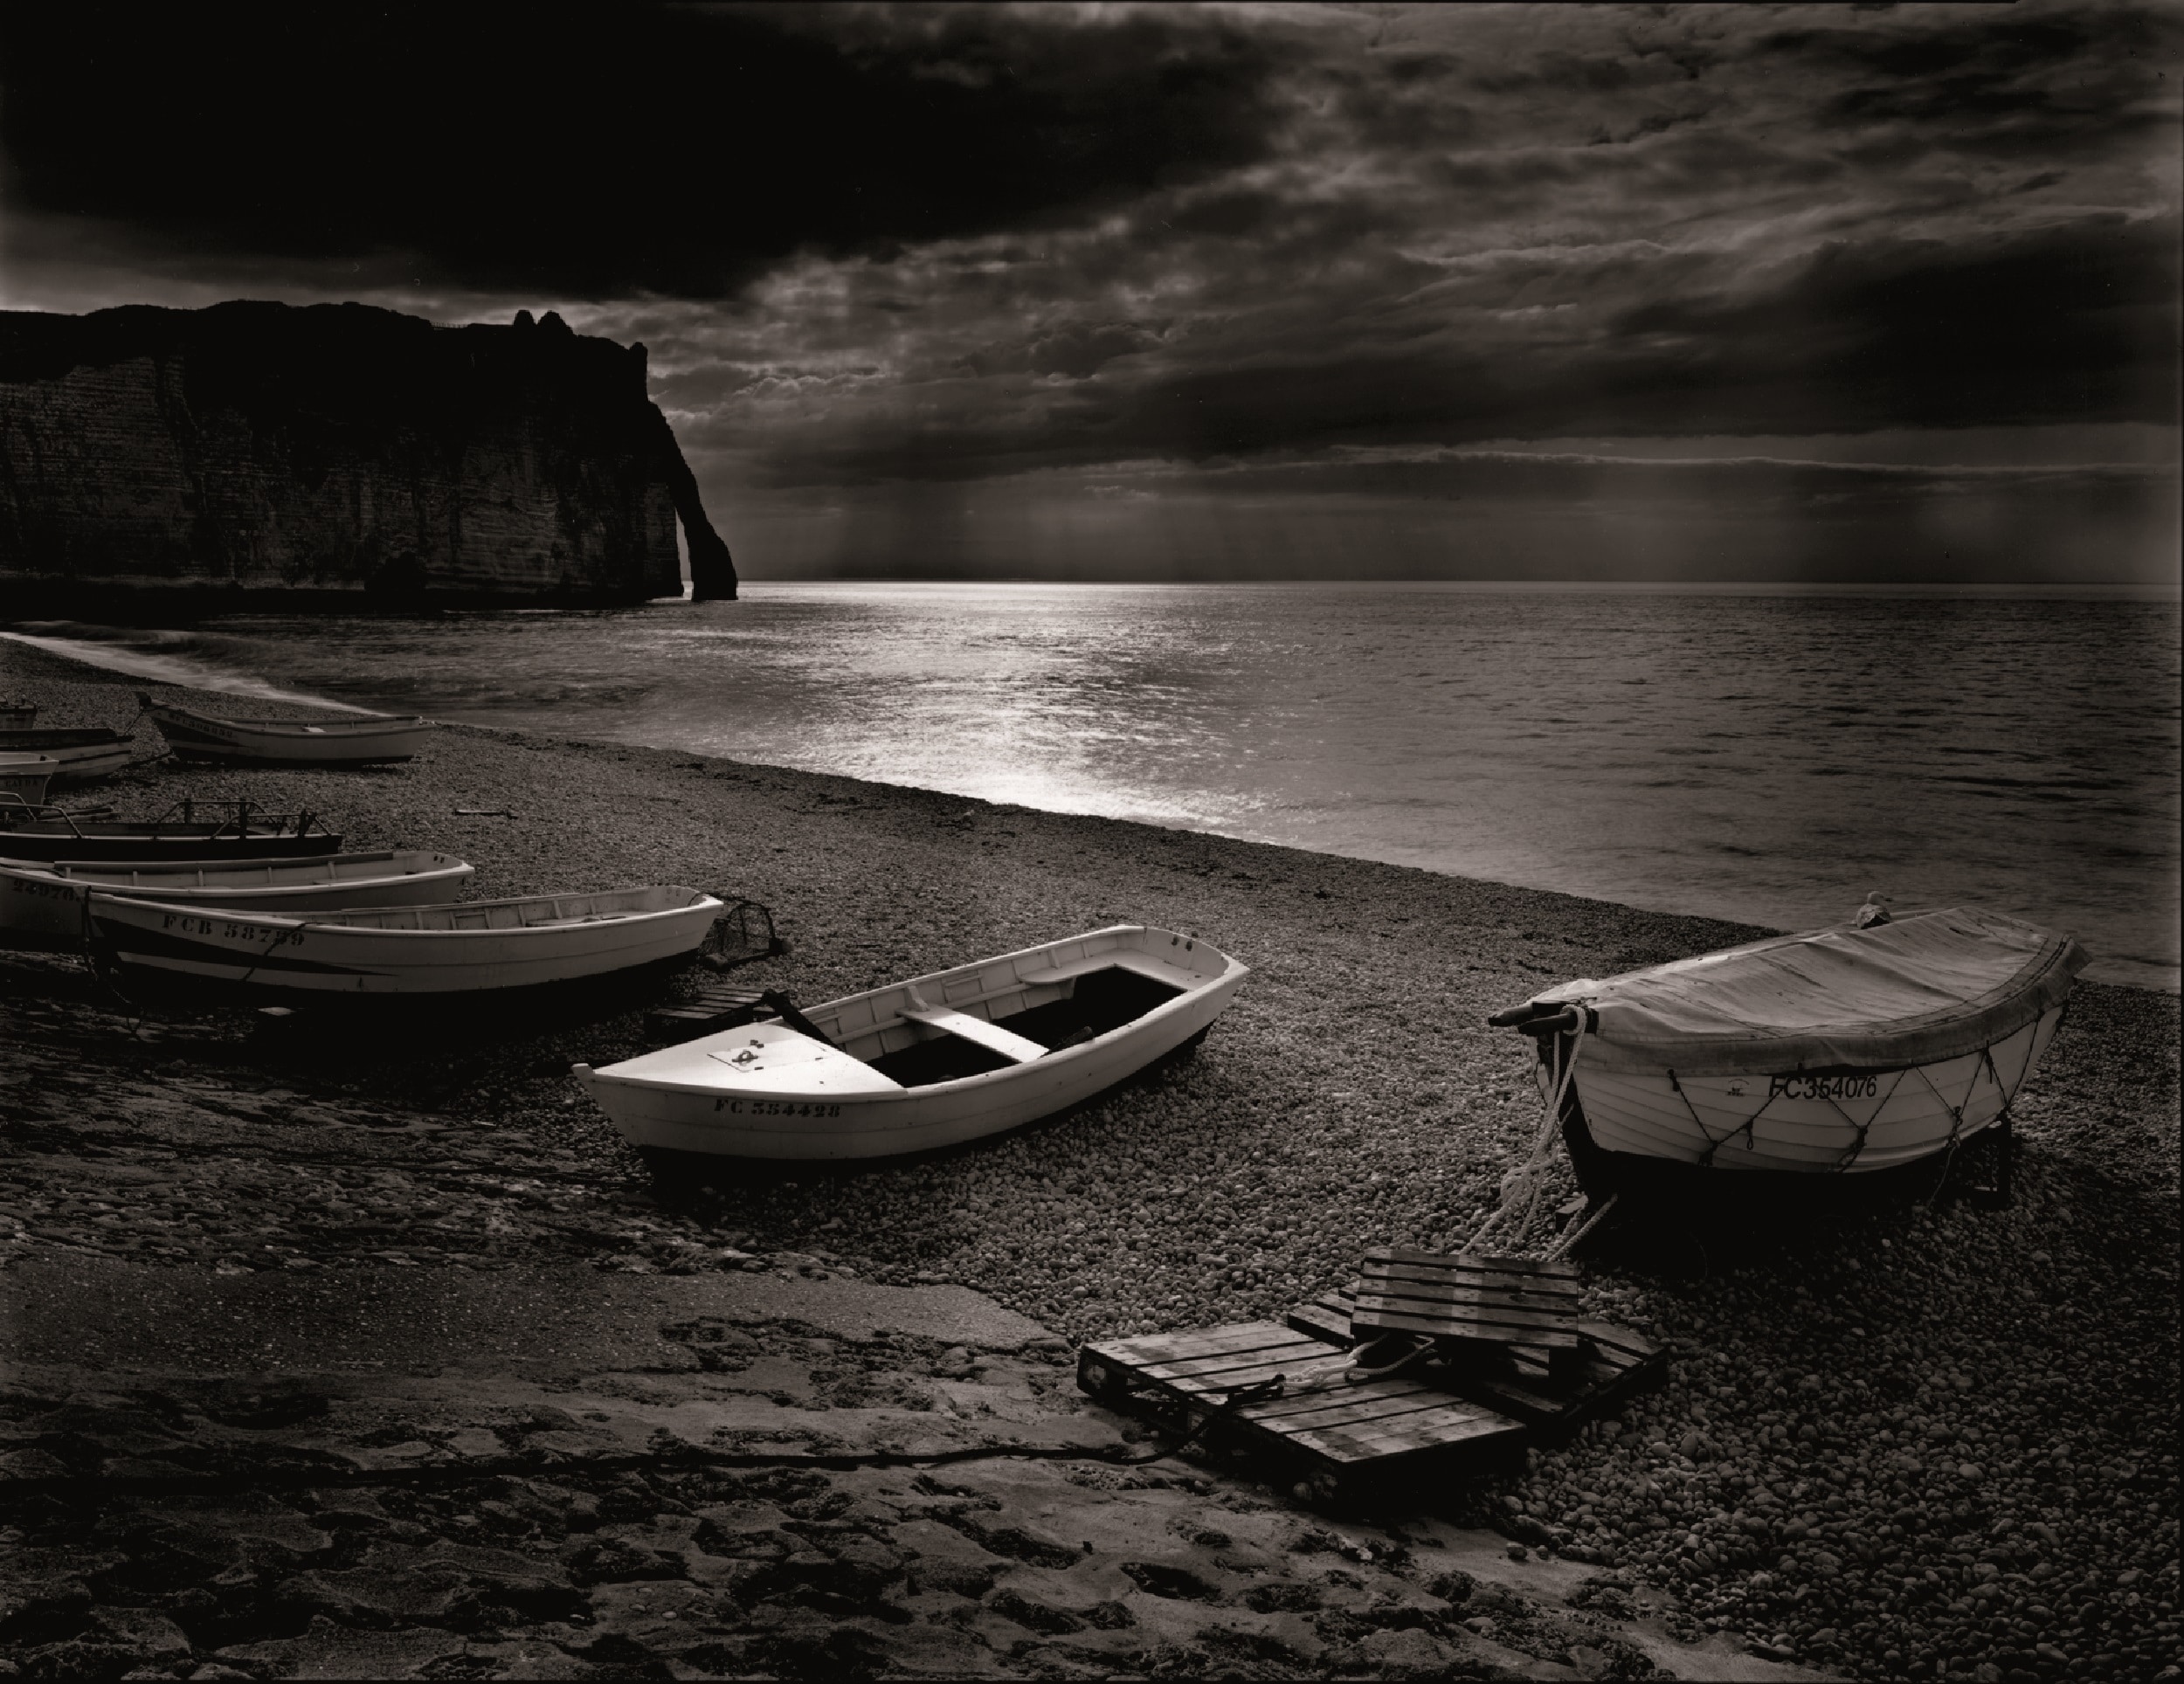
(1845, 1051)
(932, 1062)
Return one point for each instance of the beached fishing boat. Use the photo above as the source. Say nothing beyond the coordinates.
(361, 740)
(1841, 1052)
(23, 778)
(43, 907)
(468, 948)
(46, 832)
(80, 754)
(934, 1061)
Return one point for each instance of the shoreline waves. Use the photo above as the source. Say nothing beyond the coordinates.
(1919, 1441)
(1764, 759)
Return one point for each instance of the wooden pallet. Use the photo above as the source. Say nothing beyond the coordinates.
(1327, 1317)
(715, 1006)
(1612, 1365)
(1341, 1438)
(1503, 1300)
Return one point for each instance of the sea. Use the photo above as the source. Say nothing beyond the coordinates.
(1769, 757)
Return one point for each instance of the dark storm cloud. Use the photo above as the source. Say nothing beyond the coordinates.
(874, 248)
(666, 149)
(2073, 323)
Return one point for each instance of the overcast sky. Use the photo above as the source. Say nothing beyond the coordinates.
(1799, 293)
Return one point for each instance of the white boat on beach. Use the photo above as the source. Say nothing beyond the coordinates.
(80, 754)
(43, 907)
(931, 1062)
(31, 830)
(360, 740)
(24, 775)
(401, 952)
(1840, 1051)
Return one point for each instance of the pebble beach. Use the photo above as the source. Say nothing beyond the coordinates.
(1928, 1441)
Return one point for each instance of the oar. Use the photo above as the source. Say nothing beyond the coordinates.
(785, 1009)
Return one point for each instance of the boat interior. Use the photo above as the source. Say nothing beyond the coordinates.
(1015, 1008)
(243, 820)
(1089, 1005)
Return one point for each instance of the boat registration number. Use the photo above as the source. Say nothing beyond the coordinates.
(230, 932)
(776, 1108)
(1853, 1085)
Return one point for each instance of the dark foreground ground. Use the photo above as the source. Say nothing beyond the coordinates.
(372, 1351)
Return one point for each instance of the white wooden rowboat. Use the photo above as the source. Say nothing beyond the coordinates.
(24, 775)
(79, 753)
(931, 1062)
(354, 741)
(467, 948)
(42, 906)
(1839, 1051)
(33, 832)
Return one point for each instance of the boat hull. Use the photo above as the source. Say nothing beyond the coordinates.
(94, 843)
(794, 1123)
(301, 960)
(199, 736)
(78, 755)
(42, 908)
(1628, 1128)
(24, 777)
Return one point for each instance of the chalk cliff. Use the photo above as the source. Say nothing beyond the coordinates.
(338, 452)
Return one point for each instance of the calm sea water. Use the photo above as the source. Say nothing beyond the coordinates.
(1769, 758)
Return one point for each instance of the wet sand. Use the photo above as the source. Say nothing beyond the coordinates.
(1920, 1441)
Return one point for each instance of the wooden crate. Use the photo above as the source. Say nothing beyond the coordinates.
(1612, 1365)
(1327, 1317)
(1504, 1300)
(1341, 1438)
(715, 1007)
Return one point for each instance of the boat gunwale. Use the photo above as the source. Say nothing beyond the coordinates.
(304, 730)
(62, 868)
(334, 925)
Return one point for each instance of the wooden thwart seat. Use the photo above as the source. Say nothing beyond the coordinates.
(1018, 1049)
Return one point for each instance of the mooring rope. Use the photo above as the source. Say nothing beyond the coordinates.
(1523, 1187)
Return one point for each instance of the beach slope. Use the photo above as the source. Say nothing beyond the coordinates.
(454, 1357)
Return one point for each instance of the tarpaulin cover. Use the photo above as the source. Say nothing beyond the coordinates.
(1935, 985)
